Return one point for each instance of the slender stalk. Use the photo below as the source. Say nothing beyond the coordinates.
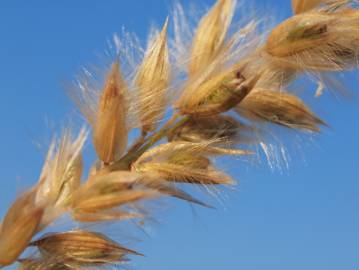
(125, 162)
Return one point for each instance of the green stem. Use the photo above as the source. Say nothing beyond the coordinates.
(125, 162)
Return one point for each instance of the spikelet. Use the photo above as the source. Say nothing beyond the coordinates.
(210, 35)
(299, 33)
(83, 247)
(215, 82)
(19, 226)
(218, 94)
(152, 80)
(279, 108)
(300, 6)
(318, 41)
(184, 162)
(107, 192)
(110, 131)
(62, 170)
(221, 127)
(185, 174)
(171, 149)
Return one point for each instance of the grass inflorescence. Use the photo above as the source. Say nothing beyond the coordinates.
(191, 100)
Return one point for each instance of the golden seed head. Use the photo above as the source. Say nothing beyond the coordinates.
(324, 40)
(184, 174)
(221, 127)
(62, 170)
(106, 192)
(185, 162)
(279, 108)
(299, 33)
(219, 94)
(210, 35)
(83, 246)
(19, 226)
(152, 80)
(110, 131)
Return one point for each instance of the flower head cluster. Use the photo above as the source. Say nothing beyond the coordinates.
(232, 84)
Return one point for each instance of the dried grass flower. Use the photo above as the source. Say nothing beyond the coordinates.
(83, 247)
(319, 40)
(190, 100)
(280, 108)
(110, 131)
(152, 80)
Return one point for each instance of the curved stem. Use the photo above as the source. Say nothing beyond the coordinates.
(125, 162)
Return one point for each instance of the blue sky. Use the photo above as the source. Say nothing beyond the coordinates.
(302, 218)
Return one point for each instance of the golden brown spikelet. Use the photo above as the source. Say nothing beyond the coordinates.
(61, 175)
(110, 130)
(62, 170)
(152, 80)
(83, 247)
(317, 41)
(107, 201)
(185, 174)
(24, 202)
(210, 35)
(182, 148)
(184, 162)
(219, 94)
(19, 226)
(300, 6)
(107, 192)
(190, 160)
(109, 182)
(279, 108)
(221, 127)
(299, 33)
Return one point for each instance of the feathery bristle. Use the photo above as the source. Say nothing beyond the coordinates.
(166, 188)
